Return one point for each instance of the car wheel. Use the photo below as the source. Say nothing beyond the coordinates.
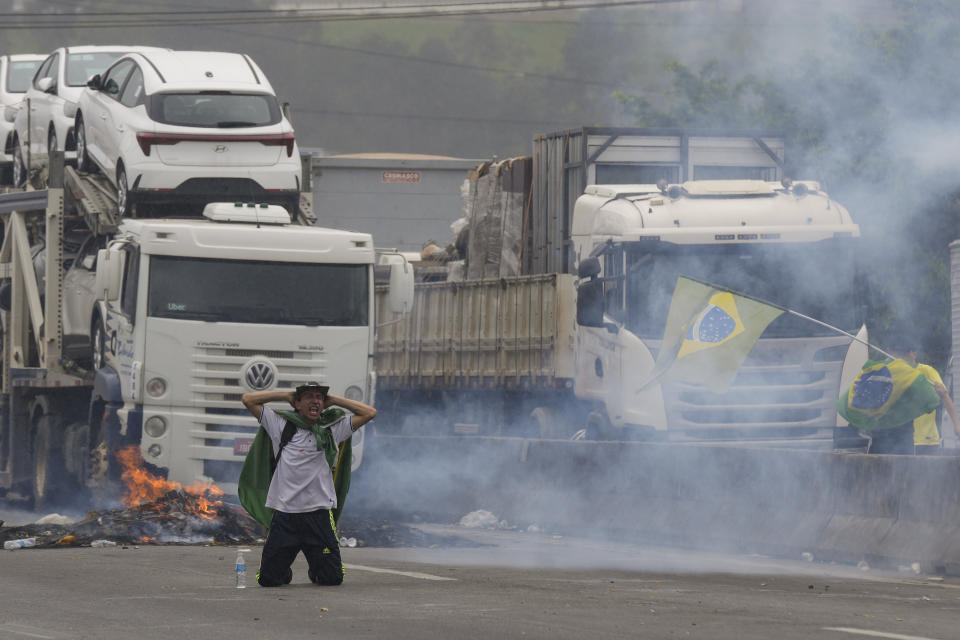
(99, 342)
(83, 157)
(124, 205)
(19, 177)
(51, 149)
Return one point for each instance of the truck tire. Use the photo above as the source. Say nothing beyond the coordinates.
(549, 423)
(598, 426)
(98, 342)
(49, 472)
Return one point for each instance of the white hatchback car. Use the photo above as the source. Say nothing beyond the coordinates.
(52, 99)
(16, 72)
(188, 128)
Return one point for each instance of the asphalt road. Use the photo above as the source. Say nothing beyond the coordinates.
(517, 585)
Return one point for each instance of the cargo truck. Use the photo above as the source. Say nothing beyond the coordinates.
(182, 316)
(564, 345)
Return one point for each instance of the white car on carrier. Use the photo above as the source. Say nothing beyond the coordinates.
(16, 72)
(52, 100)
(187, 128)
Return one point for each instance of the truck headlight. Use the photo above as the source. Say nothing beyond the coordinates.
(155, 450)
(354, 393)
(155, 426)
(156, 387)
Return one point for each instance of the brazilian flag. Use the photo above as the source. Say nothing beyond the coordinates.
(887, 394)
(709, 332)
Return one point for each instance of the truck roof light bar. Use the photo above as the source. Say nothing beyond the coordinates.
(246, 212)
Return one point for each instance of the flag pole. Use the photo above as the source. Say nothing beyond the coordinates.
(838, 330)
(792, 312)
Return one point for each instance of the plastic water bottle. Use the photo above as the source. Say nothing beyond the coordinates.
(241, 569)
(20, 544)
(103, 543)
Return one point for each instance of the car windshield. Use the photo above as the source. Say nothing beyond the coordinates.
(218, 110)
(81, 66)
(815, 279)
(20, 73)
(290, 293)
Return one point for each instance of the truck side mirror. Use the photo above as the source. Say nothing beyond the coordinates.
(590, 303)
(400, 296)
(109, 272)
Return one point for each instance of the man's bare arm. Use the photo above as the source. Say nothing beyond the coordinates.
(255, 400)
(362, 413)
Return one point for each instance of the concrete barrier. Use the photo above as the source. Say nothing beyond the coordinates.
(847, 507)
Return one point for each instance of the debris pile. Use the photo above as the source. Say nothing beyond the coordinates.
(156, 511)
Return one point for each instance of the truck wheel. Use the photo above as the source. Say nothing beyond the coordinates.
(549, 424)
(83, 158)
(49, 480)
(98, 339)
(599, 427)
(19, 177)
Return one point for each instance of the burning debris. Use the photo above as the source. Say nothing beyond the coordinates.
(156, 511)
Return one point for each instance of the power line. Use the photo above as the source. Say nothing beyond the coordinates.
(110, 20)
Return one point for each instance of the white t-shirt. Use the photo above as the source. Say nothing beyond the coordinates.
(303, 481)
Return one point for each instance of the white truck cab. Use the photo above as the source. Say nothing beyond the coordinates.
(787, 243)
(194, 313)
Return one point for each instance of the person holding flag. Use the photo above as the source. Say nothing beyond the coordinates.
(295, 477)
(886, 398)
(927, 439)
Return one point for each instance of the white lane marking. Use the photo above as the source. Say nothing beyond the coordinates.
(876, 634)
(409, 574)
(18, 629)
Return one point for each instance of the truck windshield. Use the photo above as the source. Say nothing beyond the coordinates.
(815, 279)
(251, 291)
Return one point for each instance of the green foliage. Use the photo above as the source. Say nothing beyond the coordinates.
(867, 117)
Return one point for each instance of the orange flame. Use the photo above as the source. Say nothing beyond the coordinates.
(143, 487)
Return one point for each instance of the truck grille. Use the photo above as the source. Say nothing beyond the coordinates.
(784, 384)
(221, 426)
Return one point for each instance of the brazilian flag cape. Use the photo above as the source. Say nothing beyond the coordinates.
(257, 470)
(887, 394)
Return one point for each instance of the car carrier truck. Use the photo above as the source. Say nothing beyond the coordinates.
(564, 344)
(149, 333)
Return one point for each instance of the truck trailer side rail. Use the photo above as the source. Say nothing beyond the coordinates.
(512, 333)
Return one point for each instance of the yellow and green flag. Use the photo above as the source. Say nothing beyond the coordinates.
(886, 395)
(709, 332)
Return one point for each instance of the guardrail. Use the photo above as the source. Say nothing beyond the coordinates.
(846, 507)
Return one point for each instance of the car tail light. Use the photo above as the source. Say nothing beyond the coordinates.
(149, 140)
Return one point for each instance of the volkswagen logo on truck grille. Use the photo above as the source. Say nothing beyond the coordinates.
(259, 375)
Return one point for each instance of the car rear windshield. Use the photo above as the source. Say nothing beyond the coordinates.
(216, 110)
(20, 74)
(254, 291)
(81, 66)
